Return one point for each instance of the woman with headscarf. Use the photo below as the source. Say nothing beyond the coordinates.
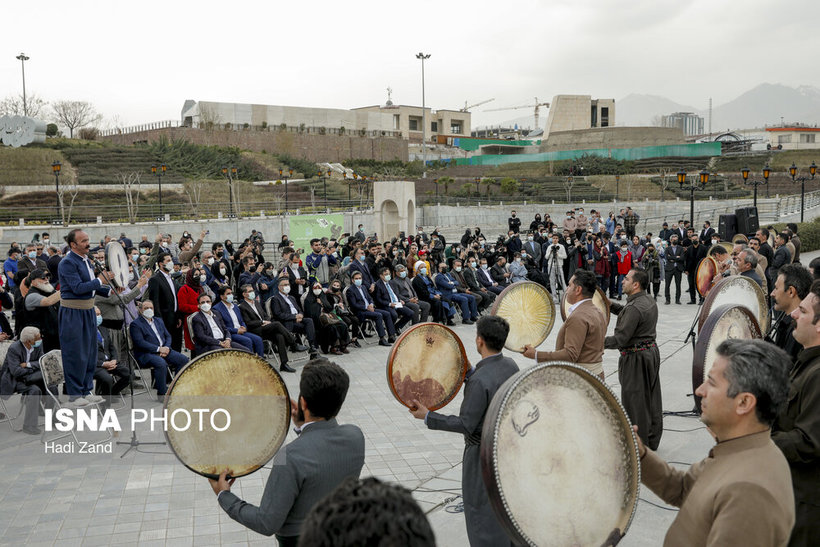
(637, 249)
(331, 332)
(467, 238)
(336, 298)
(187, 298)
(535, 223)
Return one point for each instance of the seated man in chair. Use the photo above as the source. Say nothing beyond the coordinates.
(232, 317)
(21, 374)
(111, 375)
(209, 331)
(152, 347)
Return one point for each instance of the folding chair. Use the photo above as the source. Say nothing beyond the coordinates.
(189, 326)
(362, 323)
(51, 367)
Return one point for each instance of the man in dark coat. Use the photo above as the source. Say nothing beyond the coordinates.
(640, 361)
(481, 384)
(21, 373)
(691, 258)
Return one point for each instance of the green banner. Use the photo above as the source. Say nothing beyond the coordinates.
(303, 228)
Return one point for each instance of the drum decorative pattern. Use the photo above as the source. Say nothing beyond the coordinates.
(735, 290)
(529, 310)
(250, 390)
(116, 261)
(427, 363)
(562, 437)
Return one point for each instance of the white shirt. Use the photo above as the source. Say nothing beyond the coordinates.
(572, 307)
(156, 332)
(215, 330)
(297, 276)
(252, 304)
(232, 313)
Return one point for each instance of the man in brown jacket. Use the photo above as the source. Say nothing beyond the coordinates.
(740, 494)
(797, 428)
(581, 338)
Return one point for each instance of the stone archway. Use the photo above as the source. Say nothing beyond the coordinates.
(393, 205)
(411, 217)
(390, 221)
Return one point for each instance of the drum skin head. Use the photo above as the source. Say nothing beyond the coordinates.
(740, 238)
(559, 458)
(726, 322)
(600, 300)
(735, 290)
(250, 390)
(117, 263)
(427, 363)
(528, 308)
(705, 275)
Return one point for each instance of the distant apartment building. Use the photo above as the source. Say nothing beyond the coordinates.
(793, 137)
(390, 120)
(579, 112)
(691, 123)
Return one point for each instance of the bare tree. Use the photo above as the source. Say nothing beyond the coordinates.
(663, 172)
(74, 114)
(130, 182)
(630, 181)
(209, 117)
(193, 189)
(568, 183)
(69, 189)
(13, 105)
(604, 183)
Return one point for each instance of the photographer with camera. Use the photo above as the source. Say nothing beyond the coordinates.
(319, 262)
(554, 256)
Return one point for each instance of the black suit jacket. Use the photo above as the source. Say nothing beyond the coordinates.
(706, 236)
(674, 258)
(159, 292)
(106, 350)
(12, 375)
(203, 335)
(381, 297)
(253, 321)
(281, 310)
(24, 267)
(497, 272)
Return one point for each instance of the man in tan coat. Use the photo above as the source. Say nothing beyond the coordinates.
(581, 338)
(741, 493)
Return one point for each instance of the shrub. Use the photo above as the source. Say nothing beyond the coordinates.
(88, 133)
(51, 130)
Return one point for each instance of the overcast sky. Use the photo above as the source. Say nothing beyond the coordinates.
(140, 61)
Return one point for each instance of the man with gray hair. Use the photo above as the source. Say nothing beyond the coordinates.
(747, 267)
(404, 290)
(797, 428)
(21, 374)
(740, 493)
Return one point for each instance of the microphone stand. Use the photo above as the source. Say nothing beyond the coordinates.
(134, 442)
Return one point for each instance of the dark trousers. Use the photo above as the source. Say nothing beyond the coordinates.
(400, 316)
(382, 319)
(250, 341)
(176, 336)
(78, 340)
(305, 326)
(279, 336)
(640, 381)
(690, 277)
(32, 394)
(676, 275)
(160, 365)
(613, 281)
(287, 541)
(112, 382)
(436, 309)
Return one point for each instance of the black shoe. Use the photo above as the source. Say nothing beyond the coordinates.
(313, 354)
(677, 302)
(691, 302)
(356, 343)
(31, 430)
(468, 322)
(391, 339)
(299, 347)
(667, 302)
(384, 342)
(450, 322)
(284, 367)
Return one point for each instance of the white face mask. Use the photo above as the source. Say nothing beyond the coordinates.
(252, 295)
(229, 299)
(148, 314)
(211, 261)
(387, 277)
(168, 266)
(530, 238)
(423, 271)
(202, 278)
(222, 271)
(286, 289)
(402, 274)
(458, 268)
(205, 307)
(317, 292)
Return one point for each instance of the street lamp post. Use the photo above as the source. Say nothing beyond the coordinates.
(422, 56)
(22, 58)
(286, 187)
(700, 185)
(55, 168)
(766, 172)
(477, 183)
(159, 172)
(325, 185)
(344, 175)
(802, 181)
(617, 186)
(230, 174)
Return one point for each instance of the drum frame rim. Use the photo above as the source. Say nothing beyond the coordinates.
(179, 374)
(500, 297)
(488, 450)
(395, 347)
(699, 355)
(706, 309)
(598, 290)
(118, 246)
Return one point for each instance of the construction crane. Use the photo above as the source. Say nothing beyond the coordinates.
(537, 106)
(468, 107)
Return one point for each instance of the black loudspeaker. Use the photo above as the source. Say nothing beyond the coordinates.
(727, 226)
(747, 222)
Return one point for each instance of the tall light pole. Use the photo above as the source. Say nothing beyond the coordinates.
(159, 172)
(422, 56)
(766, 173)
(802, 181)
(617, 185)
(692, 186)
(22, 58)
(230, 174)
(55, 168)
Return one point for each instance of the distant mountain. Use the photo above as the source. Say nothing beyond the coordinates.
(640, 110)
(763, 105)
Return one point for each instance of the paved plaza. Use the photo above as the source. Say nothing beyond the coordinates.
(149, 498)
